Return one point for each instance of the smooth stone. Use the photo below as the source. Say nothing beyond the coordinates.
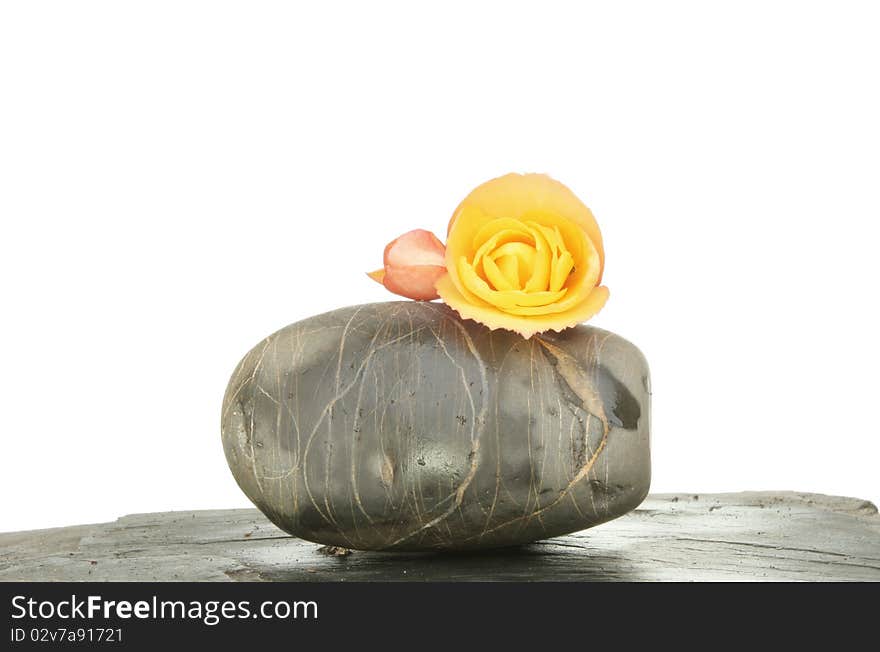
(401, 426)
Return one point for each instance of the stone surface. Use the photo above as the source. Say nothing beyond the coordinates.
(748, 536)
(400, 426)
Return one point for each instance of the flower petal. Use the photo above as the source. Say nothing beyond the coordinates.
(413, 281)
(524, 325)
(417, 247)
(507, 300)
(540, 278)
(509, 267)
(496, 277)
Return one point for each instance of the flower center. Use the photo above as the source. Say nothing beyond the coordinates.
(522, 256)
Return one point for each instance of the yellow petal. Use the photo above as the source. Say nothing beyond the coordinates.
(523, 254)
(580, 284)
(509, 267)
(525, 326)
(501, 225)
(459, 242)
(511, 300)
(540, 278)
(522, 237)
(561, 269)
(495, 276)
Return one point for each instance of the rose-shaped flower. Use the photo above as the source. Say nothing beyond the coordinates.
(525, 254)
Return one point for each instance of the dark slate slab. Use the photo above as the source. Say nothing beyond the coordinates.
(745, 536)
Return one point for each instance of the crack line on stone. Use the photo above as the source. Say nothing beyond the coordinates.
(567, 369)
(475, 437)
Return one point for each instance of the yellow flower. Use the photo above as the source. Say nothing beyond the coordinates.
(525, 254)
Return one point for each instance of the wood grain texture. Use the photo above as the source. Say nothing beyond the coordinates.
(726, 537)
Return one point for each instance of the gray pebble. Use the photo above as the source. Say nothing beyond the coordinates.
(401, 426)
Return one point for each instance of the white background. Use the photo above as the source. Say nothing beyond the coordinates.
(180, 179)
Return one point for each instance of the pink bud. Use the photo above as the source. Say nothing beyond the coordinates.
(413, 263)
